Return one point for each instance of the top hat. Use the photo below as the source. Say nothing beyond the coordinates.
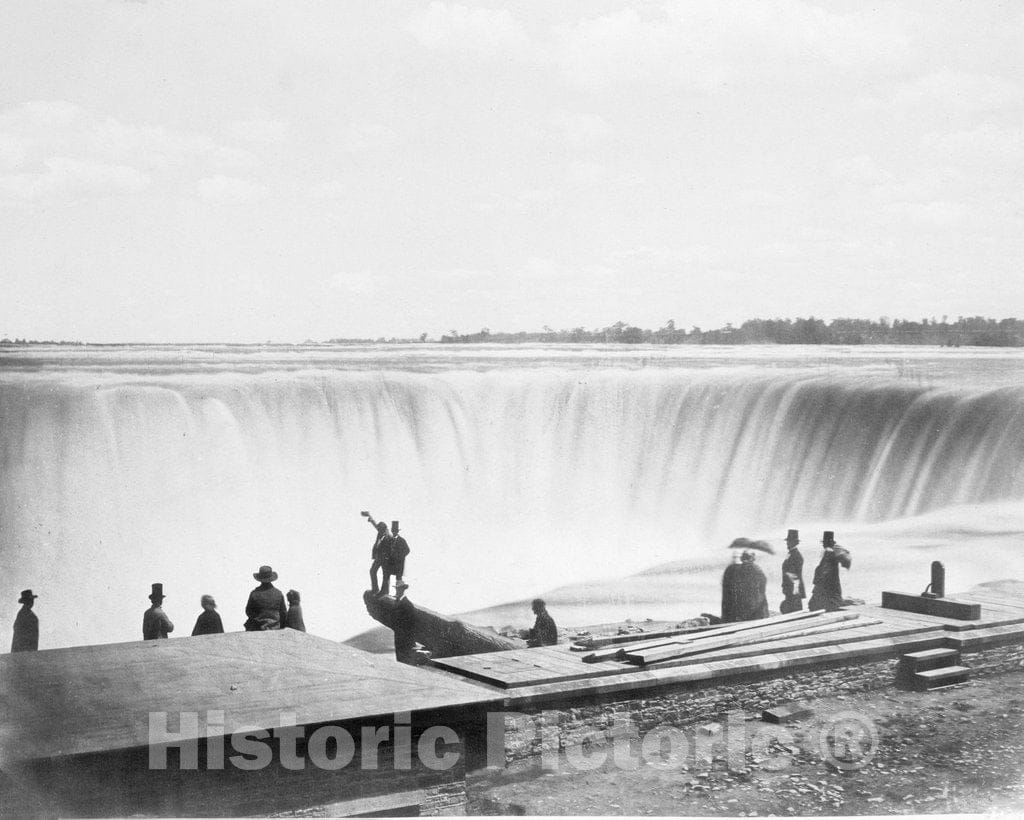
(265, 574)
(157, 593)
(27, 596)
(792, 536)
(828, 539)
(394, 525)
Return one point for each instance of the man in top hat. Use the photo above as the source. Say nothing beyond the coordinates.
(26, 625)
(265, 608)
(155, 623)
(393, 558)
(827, 593)
(793, 576)
(743, 590)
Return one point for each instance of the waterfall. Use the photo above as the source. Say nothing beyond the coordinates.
(507, 481)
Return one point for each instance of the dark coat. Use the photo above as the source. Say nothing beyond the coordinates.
(265, 609)
(793, 575)
(544, 632)
(294, 618)
(382, 549)
(208, 623)
(398, 548)
(26, 631)
(155, 624)
(377, 538)
(743, 593)
(828, 590)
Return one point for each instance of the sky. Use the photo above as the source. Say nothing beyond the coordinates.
(244, 172)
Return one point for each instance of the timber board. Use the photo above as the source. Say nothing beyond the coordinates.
(98, 698)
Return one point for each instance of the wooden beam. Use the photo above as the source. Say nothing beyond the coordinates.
(656, 654)
(939, 607)
(617, 653)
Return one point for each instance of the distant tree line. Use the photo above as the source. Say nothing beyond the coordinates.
(6, 341)
(965, 330)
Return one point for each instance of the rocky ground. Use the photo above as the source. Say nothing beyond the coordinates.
(953, 750)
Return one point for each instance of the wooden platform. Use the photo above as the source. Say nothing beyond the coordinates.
(98, 698)
(542, 671)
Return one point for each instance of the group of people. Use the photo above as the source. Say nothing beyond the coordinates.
(264, 610)
(387, 556)
(744, 583)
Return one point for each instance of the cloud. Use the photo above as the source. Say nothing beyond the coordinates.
(332, 189)
(483, 32)
(860, 170)
(262, 130)
(59, 149)
(985, 145)
(945, 91)
(361, 283)
(370, 136)
(233, 190)
(63, 177)
(939, 213)
(579, 131)
(704, 46)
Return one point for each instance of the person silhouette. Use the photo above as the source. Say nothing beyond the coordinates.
(155, 623)
(26, 625)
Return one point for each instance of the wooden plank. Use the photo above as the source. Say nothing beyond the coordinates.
(591, 643)
(755, 636)
(706, 634)
(799, 647)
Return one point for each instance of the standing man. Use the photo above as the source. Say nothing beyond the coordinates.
(544, 632)
(827, 593)
(265, 608)
(375, 553)
(26, 625)
(394, 562)
(793, 576)
(155, 623)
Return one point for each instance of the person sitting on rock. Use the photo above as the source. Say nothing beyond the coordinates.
(265, 608)
(544, 632)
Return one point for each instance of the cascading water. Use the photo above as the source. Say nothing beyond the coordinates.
(509, 480)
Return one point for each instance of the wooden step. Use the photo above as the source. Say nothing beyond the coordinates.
(934, 678)
(930, 659)
(923, 661)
